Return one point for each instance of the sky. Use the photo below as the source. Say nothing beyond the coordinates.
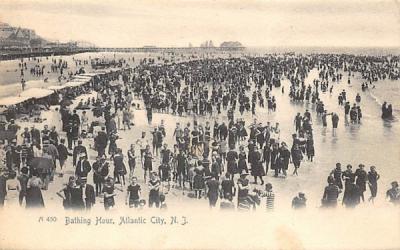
(254, 23)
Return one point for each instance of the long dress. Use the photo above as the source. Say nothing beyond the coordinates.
(373, 177)
(256, 165)
(361, 179)
(284, 158)
(242, 164)
(243, 193)
(34, 198)
(119, 165)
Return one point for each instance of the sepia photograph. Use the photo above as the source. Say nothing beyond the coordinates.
(199, 124)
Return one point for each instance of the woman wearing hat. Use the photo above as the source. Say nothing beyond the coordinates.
(198, 181)
(243, 188)
(213, 189)
(257, 170)
(232, 157)
(242, 164)
(297, 157)
(284, 158)
(34, 198)
(361, 180)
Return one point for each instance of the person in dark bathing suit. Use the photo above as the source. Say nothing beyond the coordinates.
(373, 178)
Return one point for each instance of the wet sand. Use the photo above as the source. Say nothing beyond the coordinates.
(374, 142)
(10, 74)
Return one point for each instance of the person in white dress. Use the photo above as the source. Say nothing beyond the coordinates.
(13, 189)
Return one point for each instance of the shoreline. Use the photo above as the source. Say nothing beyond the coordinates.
(4, 56)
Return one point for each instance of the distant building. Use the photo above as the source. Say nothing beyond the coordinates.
(27, 39)
(18, 37)
(231, 44)
(84, 44)
(5, 31)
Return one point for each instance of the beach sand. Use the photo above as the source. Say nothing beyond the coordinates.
(373, 142)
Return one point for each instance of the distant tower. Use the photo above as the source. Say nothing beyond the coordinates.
(210, 44)
(190, 45)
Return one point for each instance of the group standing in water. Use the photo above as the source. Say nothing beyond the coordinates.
(387, 111)
(201, 158)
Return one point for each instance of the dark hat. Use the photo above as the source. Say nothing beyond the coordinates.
(24, 170)
(162, 197)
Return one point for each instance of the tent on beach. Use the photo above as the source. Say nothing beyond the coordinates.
(75, 83)
(12, 100)
(36, 93)
(91, 74)
(56, 87)
(42, 164)
(81, 78)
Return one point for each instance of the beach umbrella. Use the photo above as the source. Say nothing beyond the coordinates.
(42, 164)
(7, 135)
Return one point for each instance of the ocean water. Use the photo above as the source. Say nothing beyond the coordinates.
(388, 91)
(385, 90)
(372, 51)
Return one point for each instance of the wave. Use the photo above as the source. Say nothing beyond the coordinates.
(378, 101)
(375, 98)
